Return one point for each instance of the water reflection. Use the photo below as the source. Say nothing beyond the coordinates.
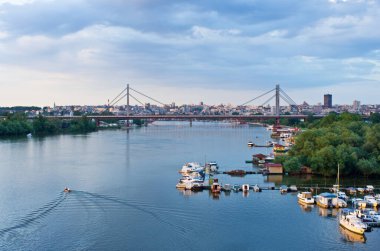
(306, 208)
(350, 236)
(328, 212)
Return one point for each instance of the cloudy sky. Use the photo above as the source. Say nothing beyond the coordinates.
(216, 51)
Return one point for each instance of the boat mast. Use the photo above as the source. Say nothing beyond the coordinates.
(338, 180)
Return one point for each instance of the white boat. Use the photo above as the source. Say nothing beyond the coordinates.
(357, 202)
(327, 200)
(342, 195)
(227, 187)
(360, 189)
(377, 197)
(305, 198)
(245, 187)
(256, 188)
(215, 187)
(250, 144)
(370, 200)
(283, 189)
(369, 189)
(191, 167)
(213, 166)
(293, 188)
(352, 223)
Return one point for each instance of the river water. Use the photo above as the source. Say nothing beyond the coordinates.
(124, 195)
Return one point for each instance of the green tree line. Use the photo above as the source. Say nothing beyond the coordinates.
(343, 139)
(19, 125)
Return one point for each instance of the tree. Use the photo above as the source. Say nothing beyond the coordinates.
(292, 165)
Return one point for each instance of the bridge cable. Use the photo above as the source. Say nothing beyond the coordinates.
(136, 99)
(258, 97)
(289, 98)
(286, 100)
(269, 100)
(120, 99)
(109, 104)
(147, 96)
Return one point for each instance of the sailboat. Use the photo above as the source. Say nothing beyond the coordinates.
(341, 202)
(328, 200)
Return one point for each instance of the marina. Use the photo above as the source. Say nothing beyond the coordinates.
(110, 200)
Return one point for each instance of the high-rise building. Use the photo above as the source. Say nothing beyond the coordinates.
(356, 105)
(327, 101)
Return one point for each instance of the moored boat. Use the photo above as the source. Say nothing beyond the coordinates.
(357, 202)
(305, 198)
(283, 189)
(215, 187)
(236, 188)
(352, 223)
(191, 167)
(256, 188)
(245, 187)
(227, 188)
(370, 200)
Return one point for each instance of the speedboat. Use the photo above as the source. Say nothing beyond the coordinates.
(369, 189)
(250, 144)
(357, 202)
(236, 188)
(370, 200)
(191, 167)
(213, 166)
(305, 198)
(256, 188)
(67, 190)
(227, 188)
(360, 190)
(293, 188)
(245, 187)
(342, 195)
(352, 223)
(283, 189)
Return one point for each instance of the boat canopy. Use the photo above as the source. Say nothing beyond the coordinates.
(328, 195)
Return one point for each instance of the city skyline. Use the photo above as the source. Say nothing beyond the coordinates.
(85, 52)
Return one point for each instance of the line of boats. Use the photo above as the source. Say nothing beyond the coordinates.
(357, 220)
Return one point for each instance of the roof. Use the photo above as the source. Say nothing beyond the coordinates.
(328, 195)
(273, 165)
(260, 155)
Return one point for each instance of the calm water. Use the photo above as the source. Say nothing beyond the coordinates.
(125, 197)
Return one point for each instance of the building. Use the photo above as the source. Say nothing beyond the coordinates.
(327, 101)
(274, 168)
(356, 106)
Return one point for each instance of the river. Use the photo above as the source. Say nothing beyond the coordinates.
(124, 195)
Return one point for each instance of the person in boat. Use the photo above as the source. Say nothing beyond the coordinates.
(67, 190)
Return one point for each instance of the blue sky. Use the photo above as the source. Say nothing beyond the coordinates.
(221, 51)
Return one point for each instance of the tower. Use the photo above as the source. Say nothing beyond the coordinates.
(327, 101)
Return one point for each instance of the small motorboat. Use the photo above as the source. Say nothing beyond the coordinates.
(250, 144)
(256, 188)
(283, 189)
(293, 188)
(245, 187)
(236, 188)
(67, 190)
(227, 188)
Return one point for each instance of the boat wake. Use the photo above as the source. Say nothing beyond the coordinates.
(35, 215)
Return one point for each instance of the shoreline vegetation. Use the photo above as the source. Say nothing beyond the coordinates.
(343, 139)
(19, 125)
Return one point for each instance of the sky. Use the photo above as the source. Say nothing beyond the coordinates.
(217, 51)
